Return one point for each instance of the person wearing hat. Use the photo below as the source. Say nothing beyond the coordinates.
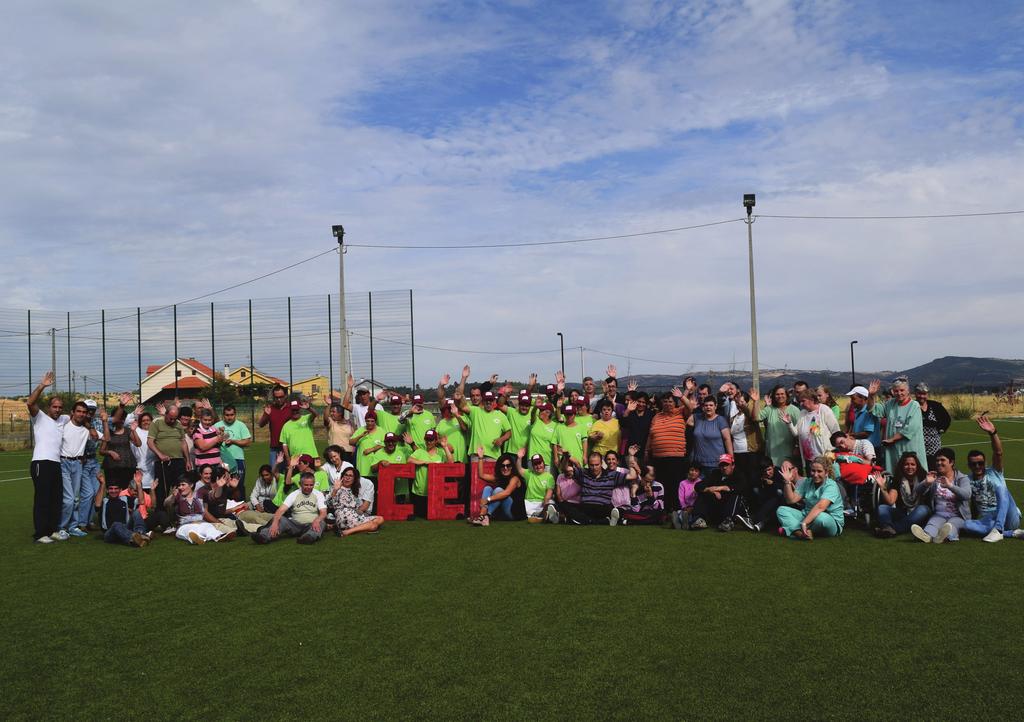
(583, 416)
(718, 496)
(452, 427)
(367, 439)
(570, 438)
(540, 486)
(416, 421)
(390, 419)
(543, 433)
(519, 419)
(297, 434)
(861, 421)
(392, 452)
(489, 428)
(935, 420)
(433, 451)
(304, 464)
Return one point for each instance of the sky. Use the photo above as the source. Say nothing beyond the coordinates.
(153, 152)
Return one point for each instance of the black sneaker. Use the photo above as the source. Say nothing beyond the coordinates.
(747, 524)
(725, 525)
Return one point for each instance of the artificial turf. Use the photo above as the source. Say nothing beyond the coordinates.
(440, 619)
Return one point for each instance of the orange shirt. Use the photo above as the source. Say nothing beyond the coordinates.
(668, 433)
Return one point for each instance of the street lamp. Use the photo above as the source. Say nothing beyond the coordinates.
(749, 201)
(853, 373)
(561, 347)
(339, 233)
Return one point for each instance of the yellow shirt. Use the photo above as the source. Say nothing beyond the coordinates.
(611, 436)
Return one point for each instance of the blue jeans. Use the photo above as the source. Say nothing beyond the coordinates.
(274, 451)
(90, 485)
(120, 533)
(900, 519)
(71, 478)
(1005, 517)
(504, 504)
(240, 463)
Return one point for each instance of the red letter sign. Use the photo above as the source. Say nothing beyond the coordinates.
(439, 489)
(387, 507)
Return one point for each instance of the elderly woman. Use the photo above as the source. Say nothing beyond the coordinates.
(815, 427)
(711, 437)
(817, 505)
(935, 421)
(904, 426)
(779, 419)
(899, 499)
(351, 513)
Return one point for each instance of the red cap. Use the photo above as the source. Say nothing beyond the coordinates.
(580, 401)
(726, 459)
(417, 399)
(488, 395)
(569, 409)
(371, 414)
(550, 389)
(524, 398)
(396, 399)
(390, 437)
(306, 459)
(429, 434)
(535, 458)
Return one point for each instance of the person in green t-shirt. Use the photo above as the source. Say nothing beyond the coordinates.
(392, 453)
(543, 434)
(779, 418)
(583, 416)
(453, 428)
(432, 452)
(296, 436)
(236, 438)
(390, 419)
(416, 421)
(540, 486)
(368, 440)
(519, 420)
(298, 466)
(489, 428)
(571, 437)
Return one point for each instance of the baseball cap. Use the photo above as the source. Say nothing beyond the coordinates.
(858, 391)
(726, 459)
(90, 403)
(371, 414)
(524, 398)
(922, 387)
(550, 389)
(294, 404)
(390, 437)
(306, 459)
(569, 409)
(396, 399)
(488, 396)
(417, 399)
(429, 435)
(544, 406)
(580, 401)
(535, 458)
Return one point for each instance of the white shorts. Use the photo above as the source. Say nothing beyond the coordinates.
(204, 529)
(534, 508)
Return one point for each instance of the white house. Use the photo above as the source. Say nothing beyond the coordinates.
(191, 376)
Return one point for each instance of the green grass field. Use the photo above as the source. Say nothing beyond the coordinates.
(514, 621)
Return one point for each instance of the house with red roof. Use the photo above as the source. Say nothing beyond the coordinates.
(182, 378)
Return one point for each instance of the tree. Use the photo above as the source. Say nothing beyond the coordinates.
(220, 391)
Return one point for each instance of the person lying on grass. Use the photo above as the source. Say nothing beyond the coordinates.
(306, 519)
(540, 487)
(196, 524)
(350, 511)
(817, 505)
(504, 494)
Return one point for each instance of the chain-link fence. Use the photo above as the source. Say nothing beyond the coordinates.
(174, 351)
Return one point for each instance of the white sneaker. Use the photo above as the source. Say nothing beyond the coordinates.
(993, 536)
(170, 530)
(60, 535)
(1018, 533)
(944, 531)
(920, 533)
(45, 540)
(613, 518)
(552, 514)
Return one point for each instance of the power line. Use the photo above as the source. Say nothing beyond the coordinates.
(891, 218)
(547, 243)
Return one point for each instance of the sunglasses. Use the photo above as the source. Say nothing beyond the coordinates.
(979, 462)
(506, 465)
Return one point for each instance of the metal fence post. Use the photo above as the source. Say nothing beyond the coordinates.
(252, 373)
(330, 350)
(175, 351)
(373, 376)
(291, 374)
(213, 348)
(70, 387)
(103, 343)
(138, 343)
(30, 439)
(412, 340)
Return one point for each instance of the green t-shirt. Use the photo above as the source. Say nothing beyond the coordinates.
(537, 485)
(542, 438)
(322, 484)
(587, 422)
(484, 428)
(570, 438)
(364, 440)
(419, 424)
(419, 486)
(450, 429)
(399, 456)
(237, 431)
(388, 421)
(167, 438)
(828, 490)
(519, 424)
(297, 435)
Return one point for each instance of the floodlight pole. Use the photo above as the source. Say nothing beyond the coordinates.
(748, 203)
(853, 372)
(561, 347)
(343, 360)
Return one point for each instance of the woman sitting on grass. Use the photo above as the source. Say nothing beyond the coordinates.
(818, 502)
(646, 496)
(504, 494)
(540, 487)
(948, 495)
(567, 491)
(349, 510)
(900, 505)
(196, 524)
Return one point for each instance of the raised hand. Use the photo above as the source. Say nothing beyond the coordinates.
(350, 381)
(632, 385)
(631, 406)
(985, 424)
(125, 399)
(267, 409)
(521, 453)
(786, 419)
(407, 438)
(446, 379)
(494, 379)
(465, 372)
(875, 386)
(139, 410)
(676, 392)
(755, 395)
(104, 416)
(611, 371)
(47, 379)
(533, 378)
(634, 449)
(559, 377)
(480, 451)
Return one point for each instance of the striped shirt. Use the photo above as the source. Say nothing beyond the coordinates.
(599, 490)
(211, 455)
(668, 434)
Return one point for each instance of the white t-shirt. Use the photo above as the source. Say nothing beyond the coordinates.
(144, 458)
(73, 439)
(366, 491)
(736, 422)
(47, 433)
(334, 474)
(304, 509)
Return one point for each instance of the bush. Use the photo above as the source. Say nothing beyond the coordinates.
(959, 408)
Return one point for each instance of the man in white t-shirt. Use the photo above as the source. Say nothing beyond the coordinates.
(307, 515)
(45, 466)
(75, 434)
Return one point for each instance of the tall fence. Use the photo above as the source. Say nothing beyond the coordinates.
(106, 351)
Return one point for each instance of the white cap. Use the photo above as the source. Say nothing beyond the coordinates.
(858, 391)
(90, 403)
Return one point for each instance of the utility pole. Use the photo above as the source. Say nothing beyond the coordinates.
(749, 201)
(339, 233)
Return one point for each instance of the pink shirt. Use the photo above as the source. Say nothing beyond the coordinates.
(570, 489)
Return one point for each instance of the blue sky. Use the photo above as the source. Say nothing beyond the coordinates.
(135, 138)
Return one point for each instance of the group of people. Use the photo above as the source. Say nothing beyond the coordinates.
(690, 458)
